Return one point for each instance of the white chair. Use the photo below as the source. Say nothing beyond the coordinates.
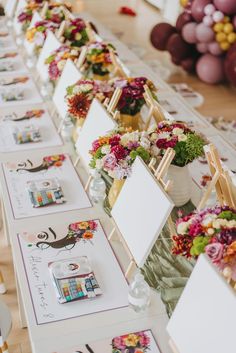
(5, 326)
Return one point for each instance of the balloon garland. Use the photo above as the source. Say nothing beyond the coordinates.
(203, 40)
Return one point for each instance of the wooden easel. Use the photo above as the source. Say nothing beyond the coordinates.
(118, 69)
(155, 109)
(159, 173)
(221, 181)
(110, 107)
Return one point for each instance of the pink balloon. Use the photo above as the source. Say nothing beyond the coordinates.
(208, 21)
(189, 32)
(204, 33)
(197, 9)
(215, 49)
(226, 6)
(183, 18)
(202, 48)
(210, 69)
(234, 22)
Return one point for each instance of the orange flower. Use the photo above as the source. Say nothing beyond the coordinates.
(88, 235)
(58, 164)
(230, 255)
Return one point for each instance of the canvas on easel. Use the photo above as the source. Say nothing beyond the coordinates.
(204, 319)
(69, 76)
(140, 212)
(221, 181)
(9, 8)
(30, 46)
(51, 43)
(97, 123)
(16, 24)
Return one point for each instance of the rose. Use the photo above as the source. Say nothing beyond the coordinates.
(215, 252)
(109, 161)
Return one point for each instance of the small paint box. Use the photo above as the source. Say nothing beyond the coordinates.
(45, 192)
(26, 135)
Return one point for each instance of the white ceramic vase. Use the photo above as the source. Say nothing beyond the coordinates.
(180, 192)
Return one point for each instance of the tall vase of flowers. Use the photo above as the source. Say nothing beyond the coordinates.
(188, 145)
(132, 100)
(79, 98)
(98, 63)
(115, 153)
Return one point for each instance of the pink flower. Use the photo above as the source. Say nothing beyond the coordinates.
(144, 339)
(118, 343)
(195, 229)
(53, 70)
(92, 225)
(109, 161)
(95, 145)
(215, 252)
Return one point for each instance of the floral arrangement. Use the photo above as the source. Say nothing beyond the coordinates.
(29, 114)
(82, 230)
(25, 16)
(54, 160)
(211, 231)
(132, 100)
(55, 13)
(76, 33)
(188, 145)
(115, 152)
(98, 59)
(38, 33)
(80, 95)
(138, 342)
(57, 60)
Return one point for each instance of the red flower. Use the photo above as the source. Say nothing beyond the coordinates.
(114, 140)
(79, 105)
(119, 152)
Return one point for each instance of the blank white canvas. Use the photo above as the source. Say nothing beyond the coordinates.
(97, 123)
(18, 25)
(29, 46)
(10, 7)
(69, 76)
(51, 43)
(141, 211)
(204, 320)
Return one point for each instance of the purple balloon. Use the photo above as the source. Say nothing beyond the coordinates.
(226, 6)
(189, 32)
(197, 9)
(204, 33)
(183, 18)
(202, 48)
(210, 69)
(215, 49)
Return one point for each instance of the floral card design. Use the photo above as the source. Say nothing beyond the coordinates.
(10, 62)
(18, 89)
(134, 342)
(54, 242)
(16, 122)
(54, 167)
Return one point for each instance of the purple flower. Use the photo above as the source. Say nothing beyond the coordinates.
(227, 236)
(215, 252)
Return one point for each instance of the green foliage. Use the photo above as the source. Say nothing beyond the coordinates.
(141, 152)
(199, 244)
(69, 90)
(187, 151)
(229, 215)
(50, 59)
(133, 106)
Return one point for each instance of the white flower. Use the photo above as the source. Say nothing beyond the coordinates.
(154, 136)
(129, 137)
(182, 228)
(182, 137)
(74, 52)
(232, 224)
(61, 64)
(145, 143)
(155, 151)
(106, 149)
(177, 131)
(86, 87)
(210, 231)
(163, 135)
(99, 164)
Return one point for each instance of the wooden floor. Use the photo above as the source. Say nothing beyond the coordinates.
(219, 100)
